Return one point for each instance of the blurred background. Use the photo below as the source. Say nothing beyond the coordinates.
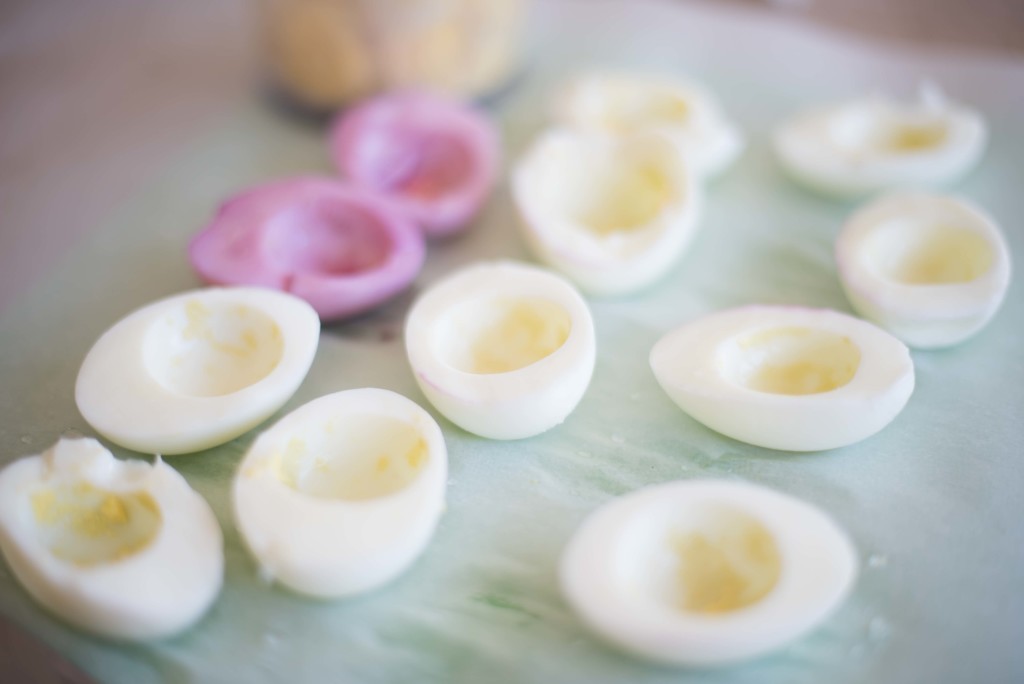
(96, 96)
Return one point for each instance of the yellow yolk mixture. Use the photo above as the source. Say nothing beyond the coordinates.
(87, 526)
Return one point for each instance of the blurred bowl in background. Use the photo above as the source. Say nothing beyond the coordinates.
(324, 54)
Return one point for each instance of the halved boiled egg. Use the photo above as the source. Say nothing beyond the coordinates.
(502, 349)
(342, 495)
(613, 214)
(706, 572)
(932, 270)
(433, 157)
(341, 248)
(785, 377)
(123, 549)
(865, 145)
(624, 103)
(197, 369)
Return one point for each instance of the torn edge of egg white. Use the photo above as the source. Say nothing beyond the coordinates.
(86, 528)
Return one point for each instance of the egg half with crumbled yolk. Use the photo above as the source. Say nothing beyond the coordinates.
(123, 549)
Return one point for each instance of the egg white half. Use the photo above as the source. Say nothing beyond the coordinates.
(614, 214)
(686, 113)
(866, 145)
(197, 369)
(343, 494)
(123, 549)
(504, 350)
(785, 377)
(932, 270)
(706, 572)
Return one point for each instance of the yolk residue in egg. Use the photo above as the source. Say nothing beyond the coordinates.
(363, 457)
(519, 333)
(206, 351)
(793, 361)
(632, 111)
(914, 138)
(237, 331)
(725, 569)
(922, 254)
(87, 526)
(626, 198)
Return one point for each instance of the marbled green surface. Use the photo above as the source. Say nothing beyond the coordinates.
(933, 502)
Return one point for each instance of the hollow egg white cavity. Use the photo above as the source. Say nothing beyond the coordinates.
(124, 549)
(865, 145)
(706, 572)
(930, 269)
(197, 369)
(684, 112)
(785, 378)
(343, 494)
(504, 350)
(613, 214)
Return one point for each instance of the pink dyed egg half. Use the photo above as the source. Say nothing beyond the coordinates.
(341, 248)
(435, 158)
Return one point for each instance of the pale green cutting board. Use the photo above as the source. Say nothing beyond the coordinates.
(933, 502)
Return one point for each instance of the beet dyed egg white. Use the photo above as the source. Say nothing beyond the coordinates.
(434, 158)
(123, 549)
(862, 146)
(932, 270)
(198, 369)
(342, 495)
(706, 572)
(786, 377)
(502, 349)
(343, 249)
(685, 113)
(613, 214)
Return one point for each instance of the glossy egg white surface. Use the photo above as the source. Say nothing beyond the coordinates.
(706, 572)
(343, 494)
(614, 214)
(195, 370)
(123, 549)
(785, 377)
(503, 349)
(687, 113)
(861, 146)
(930, 269)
